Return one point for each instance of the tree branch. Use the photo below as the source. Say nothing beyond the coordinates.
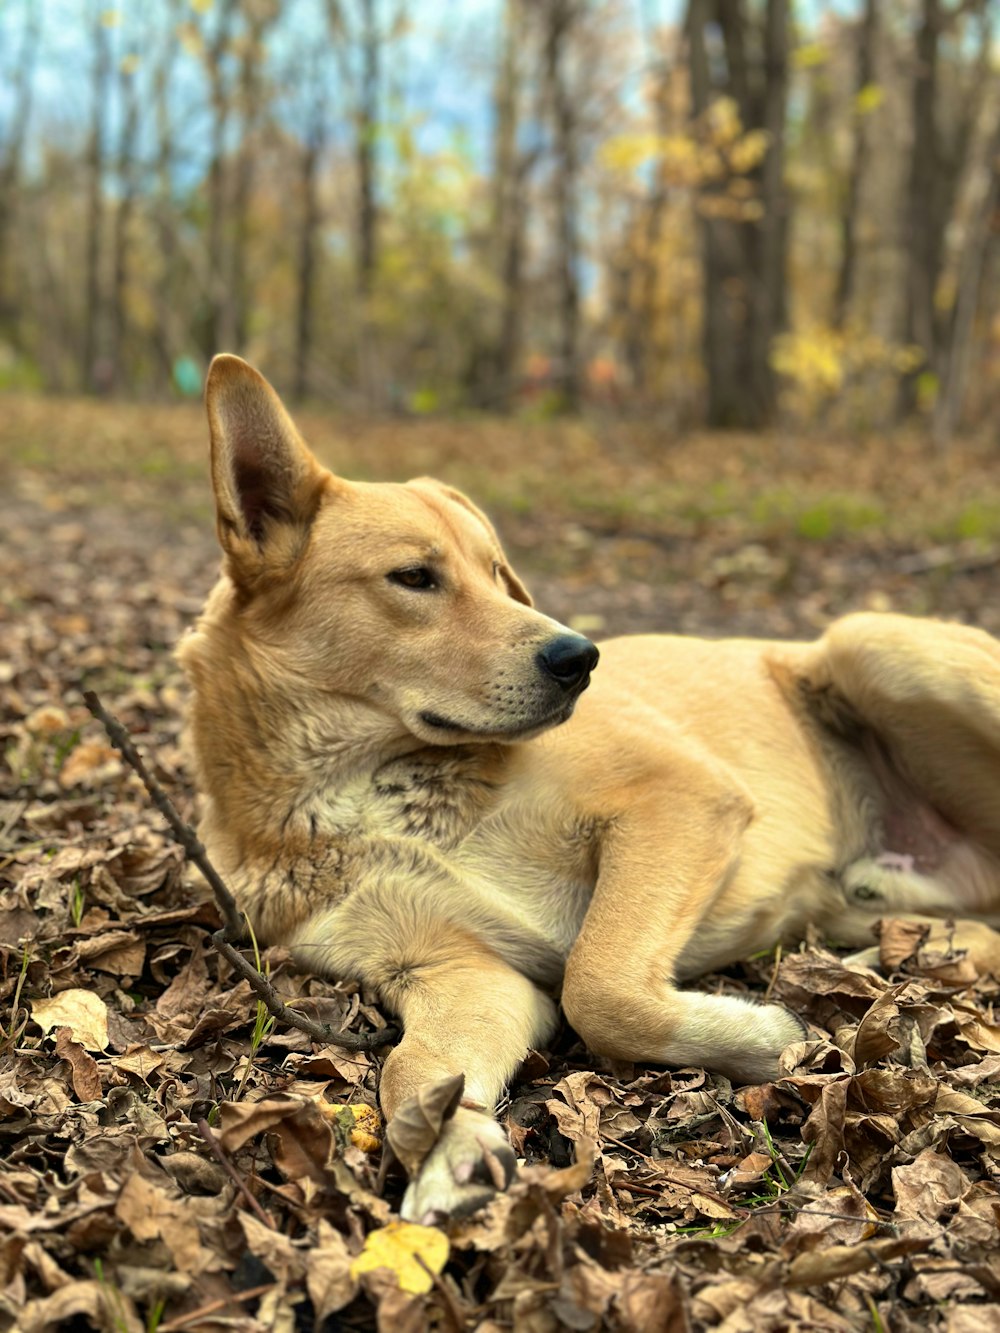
(232, 928)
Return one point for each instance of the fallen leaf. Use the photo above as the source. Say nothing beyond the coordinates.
(85, 1073)
(416, 1127)
(81, 1011)
(408, 1251)
(329, 1281)
(357, 1123)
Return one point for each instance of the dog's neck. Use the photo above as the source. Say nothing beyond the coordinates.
(278, 743)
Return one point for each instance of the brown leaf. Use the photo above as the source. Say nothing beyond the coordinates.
(928, 1186)
(817, 1267)
(825, 1130)
(101, 1304)
(242, 1121)
(120, 952)
(651, 1303)
(90, 764)
(899, 941)
(877, 1034)
(151, 1214)
(416, 1127)
(81, 1011)
(85, 1073)
(329, 1281)
(277, 1252)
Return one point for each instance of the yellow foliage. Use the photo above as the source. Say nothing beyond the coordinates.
(810, 54)
(190, 39)
(724, 121)
(362, 1124)
(413, 1253)
(684, 160)
(821, 361)
(814, 360)
(869, 99)
(748, 151)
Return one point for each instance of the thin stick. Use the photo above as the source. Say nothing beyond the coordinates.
(321, 1032)
(184, 833)
(204, 1129)
(233, 1298)
(232, 928)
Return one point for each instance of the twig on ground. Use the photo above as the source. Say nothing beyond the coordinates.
(183, 832)
(205, 1130)
(233, 1298)
(232, 928)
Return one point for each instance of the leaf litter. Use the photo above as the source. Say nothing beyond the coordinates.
(169, 1162)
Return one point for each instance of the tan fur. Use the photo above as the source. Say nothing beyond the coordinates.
(394, 786)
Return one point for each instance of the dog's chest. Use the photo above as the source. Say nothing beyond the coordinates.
(440, 801)
(520, 847)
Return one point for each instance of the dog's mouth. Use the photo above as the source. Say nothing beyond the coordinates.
(519, 731)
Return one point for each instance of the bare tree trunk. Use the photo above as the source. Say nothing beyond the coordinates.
(315, 142)
(744, 262)
(948, 406)
(13, 156)
(123, 217)
(217, 313)
(169, 336)
(770, 303)
(561, 17)
(512, 168)
(368, 113)
(100, 71)
(935, 172)
(260, 17)
(867, 36)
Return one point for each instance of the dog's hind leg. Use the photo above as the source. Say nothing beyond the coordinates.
(664, 862)
(927, 695)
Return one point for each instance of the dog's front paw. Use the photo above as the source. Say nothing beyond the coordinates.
(770, 1029)
(471, 1161)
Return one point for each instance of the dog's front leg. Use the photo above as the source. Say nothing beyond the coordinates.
(664, 864)
(464, 1011)
(469, 1014)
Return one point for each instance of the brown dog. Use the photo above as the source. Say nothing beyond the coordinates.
(395, 787)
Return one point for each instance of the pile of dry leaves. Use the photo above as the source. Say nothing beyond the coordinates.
(172, 1160)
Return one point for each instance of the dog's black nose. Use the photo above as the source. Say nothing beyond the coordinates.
(569, 659)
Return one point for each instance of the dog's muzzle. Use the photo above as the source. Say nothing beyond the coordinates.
(568, 659)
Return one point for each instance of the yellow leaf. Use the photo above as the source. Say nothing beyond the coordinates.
(869, 99)
(413, 1253)
(361, 1123)
(84, 1013)
(110, 18)
(129, 64)
(190, 39)
(201, 6)
(810, 55)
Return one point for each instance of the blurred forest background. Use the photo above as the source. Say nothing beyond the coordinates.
(718, 212)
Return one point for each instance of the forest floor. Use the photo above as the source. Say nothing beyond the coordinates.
(859, 1191)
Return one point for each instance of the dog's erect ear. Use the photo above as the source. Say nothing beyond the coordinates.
(267, 483)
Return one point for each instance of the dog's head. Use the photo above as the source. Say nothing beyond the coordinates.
(396, 596)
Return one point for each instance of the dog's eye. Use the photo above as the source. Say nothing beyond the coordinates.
(419, 577)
